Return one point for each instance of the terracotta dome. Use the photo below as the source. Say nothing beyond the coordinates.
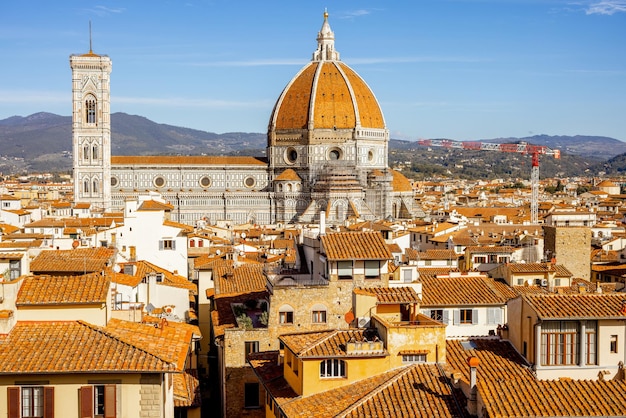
(326, 94)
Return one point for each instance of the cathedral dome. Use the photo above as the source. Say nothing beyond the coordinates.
(326, 94)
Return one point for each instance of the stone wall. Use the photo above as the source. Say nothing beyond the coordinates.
(150, 393)
(572, 246)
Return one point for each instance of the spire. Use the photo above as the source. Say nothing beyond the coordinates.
(325, 43)
(90, 49)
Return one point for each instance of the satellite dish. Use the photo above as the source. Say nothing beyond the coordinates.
(243, 235)
(75, 244)
(218, 252)
(117, 268)
(349, 317)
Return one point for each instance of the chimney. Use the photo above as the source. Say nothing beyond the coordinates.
(322, 222)
(471, 401)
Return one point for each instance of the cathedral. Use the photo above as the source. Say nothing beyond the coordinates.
(327, 149)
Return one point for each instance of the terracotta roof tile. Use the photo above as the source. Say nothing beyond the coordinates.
(186, 389)
(355, 246)
(150, 205)
(78, 260)
(391, 295)
(144, 268)
(288, 175)
(559, 269)
(270, 372)
(63, 290)
(325, 343)
(400, 183)
(579, 306)
(508, 388)
(242, 279)
(168, 342)
(412, 391)
(463, 290)
(72, 347)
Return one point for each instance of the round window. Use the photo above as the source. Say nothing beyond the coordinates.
(114, 182)
(249, 182)
(292, 154)
(159, 181)
(334, 154)
(205, 181)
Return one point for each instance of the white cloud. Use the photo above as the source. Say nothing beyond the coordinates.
(104, 11)
(606, 7)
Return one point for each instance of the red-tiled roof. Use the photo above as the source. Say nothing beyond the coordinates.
(559, 269)
(63, 290)
(79, 260)
(270, 372)
(463, 290)
(391, 295)
(412, 391)
(72, 347)
(508, 388)
(581, 306)
(355, 246)
(288, 175)
(168, 342)
(242, 279)
(323, 344)
(154, 205)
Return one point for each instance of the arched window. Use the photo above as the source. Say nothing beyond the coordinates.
(94, 153)
(86, 187)
(192, 243)
(86, 152)
(90, 109)
(333, 368)
(96, 187)
(200, 243)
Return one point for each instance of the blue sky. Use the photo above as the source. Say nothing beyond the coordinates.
(458, 69)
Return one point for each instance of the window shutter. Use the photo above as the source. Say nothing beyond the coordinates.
(446, 316)
(48, 402)
(13, 401)
(173, 245)
(161, 245)
(490, 316)
(85, 395)
(474, 316)
(110, 405)
(457, 317)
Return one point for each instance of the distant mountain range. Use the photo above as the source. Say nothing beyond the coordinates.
(43, 142)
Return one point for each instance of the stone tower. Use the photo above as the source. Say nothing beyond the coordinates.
(571, 246)
(91, 129)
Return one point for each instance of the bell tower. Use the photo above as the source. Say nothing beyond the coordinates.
(91, 129)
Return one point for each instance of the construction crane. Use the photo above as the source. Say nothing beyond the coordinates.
(521, 148)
